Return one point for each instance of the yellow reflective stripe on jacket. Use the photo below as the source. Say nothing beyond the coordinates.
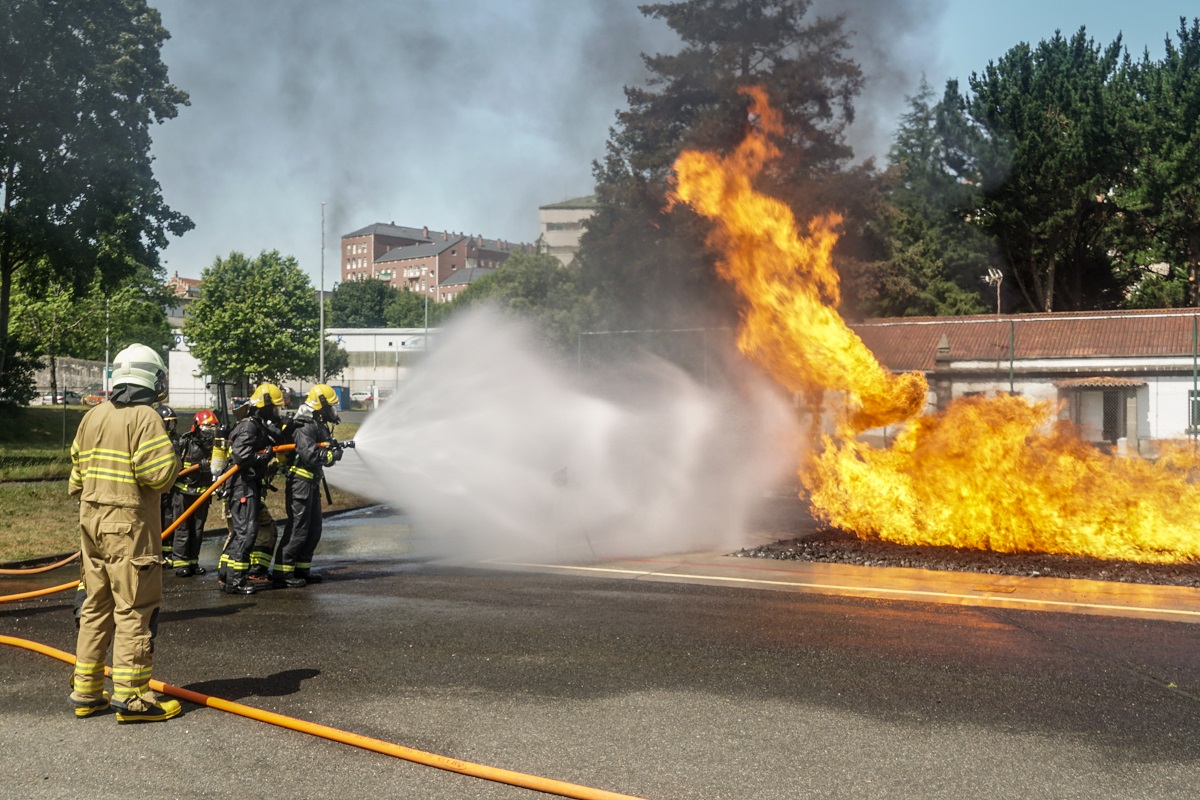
(302, 472)
(102, 464)
(156, 442)
(100, 474)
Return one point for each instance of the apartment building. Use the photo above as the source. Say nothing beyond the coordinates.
(562, 225)
(438, 264)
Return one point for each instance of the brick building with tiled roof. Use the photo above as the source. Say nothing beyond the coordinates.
(424, 261)
(1126, 378)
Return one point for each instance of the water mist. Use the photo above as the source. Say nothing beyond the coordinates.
(494, 451)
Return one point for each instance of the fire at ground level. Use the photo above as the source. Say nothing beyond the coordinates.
(802, 538)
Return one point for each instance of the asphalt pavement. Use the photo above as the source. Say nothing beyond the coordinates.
(685, 676)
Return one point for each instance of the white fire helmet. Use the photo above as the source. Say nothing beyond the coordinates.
(139, 365)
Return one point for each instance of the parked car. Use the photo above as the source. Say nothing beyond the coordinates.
(96, 397)
(361, 397)
(69, 398)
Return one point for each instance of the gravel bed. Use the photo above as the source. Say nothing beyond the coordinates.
(801, 538)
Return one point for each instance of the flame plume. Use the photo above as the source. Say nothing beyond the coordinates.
(996, 473)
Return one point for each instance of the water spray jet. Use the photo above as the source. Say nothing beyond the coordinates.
(494, 450)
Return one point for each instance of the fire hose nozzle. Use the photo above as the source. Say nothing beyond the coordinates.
(347, 445)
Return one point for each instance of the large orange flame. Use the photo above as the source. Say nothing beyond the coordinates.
(997, 473)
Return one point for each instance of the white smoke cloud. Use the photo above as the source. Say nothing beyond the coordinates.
(495, 452)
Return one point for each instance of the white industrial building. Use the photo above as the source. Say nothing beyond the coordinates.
(380, 359)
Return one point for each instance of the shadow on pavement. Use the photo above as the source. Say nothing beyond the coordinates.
(277, 685)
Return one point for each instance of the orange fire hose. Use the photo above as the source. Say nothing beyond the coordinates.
(47, 568)
(494, 774)
(170, 529)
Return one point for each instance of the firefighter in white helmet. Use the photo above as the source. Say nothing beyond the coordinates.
(121, 462)
(315, 450)
(250, 445)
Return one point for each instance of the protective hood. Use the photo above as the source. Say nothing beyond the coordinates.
(130, 394)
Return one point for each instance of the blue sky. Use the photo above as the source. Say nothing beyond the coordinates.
(468, 114)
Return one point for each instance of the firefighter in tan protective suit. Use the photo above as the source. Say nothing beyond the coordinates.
(121, 462)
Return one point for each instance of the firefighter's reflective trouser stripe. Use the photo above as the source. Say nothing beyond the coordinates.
(303, 530)
(189, 533)
(122, 573)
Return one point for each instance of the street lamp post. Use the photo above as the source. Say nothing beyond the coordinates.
(995, 277)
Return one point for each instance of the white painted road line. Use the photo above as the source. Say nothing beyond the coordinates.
(832, 588)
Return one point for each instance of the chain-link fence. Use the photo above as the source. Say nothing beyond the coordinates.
(708, 355)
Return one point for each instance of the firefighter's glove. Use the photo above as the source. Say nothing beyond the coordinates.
(338, 453)
(262, 461)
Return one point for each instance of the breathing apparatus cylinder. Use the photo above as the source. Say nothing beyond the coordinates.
(220, 456)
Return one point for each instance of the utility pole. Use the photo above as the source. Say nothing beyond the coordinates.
(321, 304)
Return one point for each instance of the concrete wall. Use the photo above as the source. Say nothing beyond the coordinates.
(74, 374)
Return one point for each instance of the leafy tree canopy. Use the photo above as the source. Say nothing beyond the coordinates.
(1162, 196)
(1045, 135)
(935, 256)
(535, 287)
(59, 320)
(650, 268)
(409, 309)
(360, 304)
(81, 82)
(255, 318)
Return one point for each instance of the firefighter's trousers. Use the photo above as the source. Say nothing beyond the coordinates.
(244, 507)
(302, 533)
(122, 573)
(189, 533)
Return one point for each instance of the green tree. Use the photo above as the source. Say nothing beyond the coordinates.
(535, 287)
(336, 361)
(81, 82)
(1163, 193)
(649, 267)
(255, 319)
(1046, 135)
(59, 320)
(408, 310)
(360, 304)
(16, 384)
(936, 256)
